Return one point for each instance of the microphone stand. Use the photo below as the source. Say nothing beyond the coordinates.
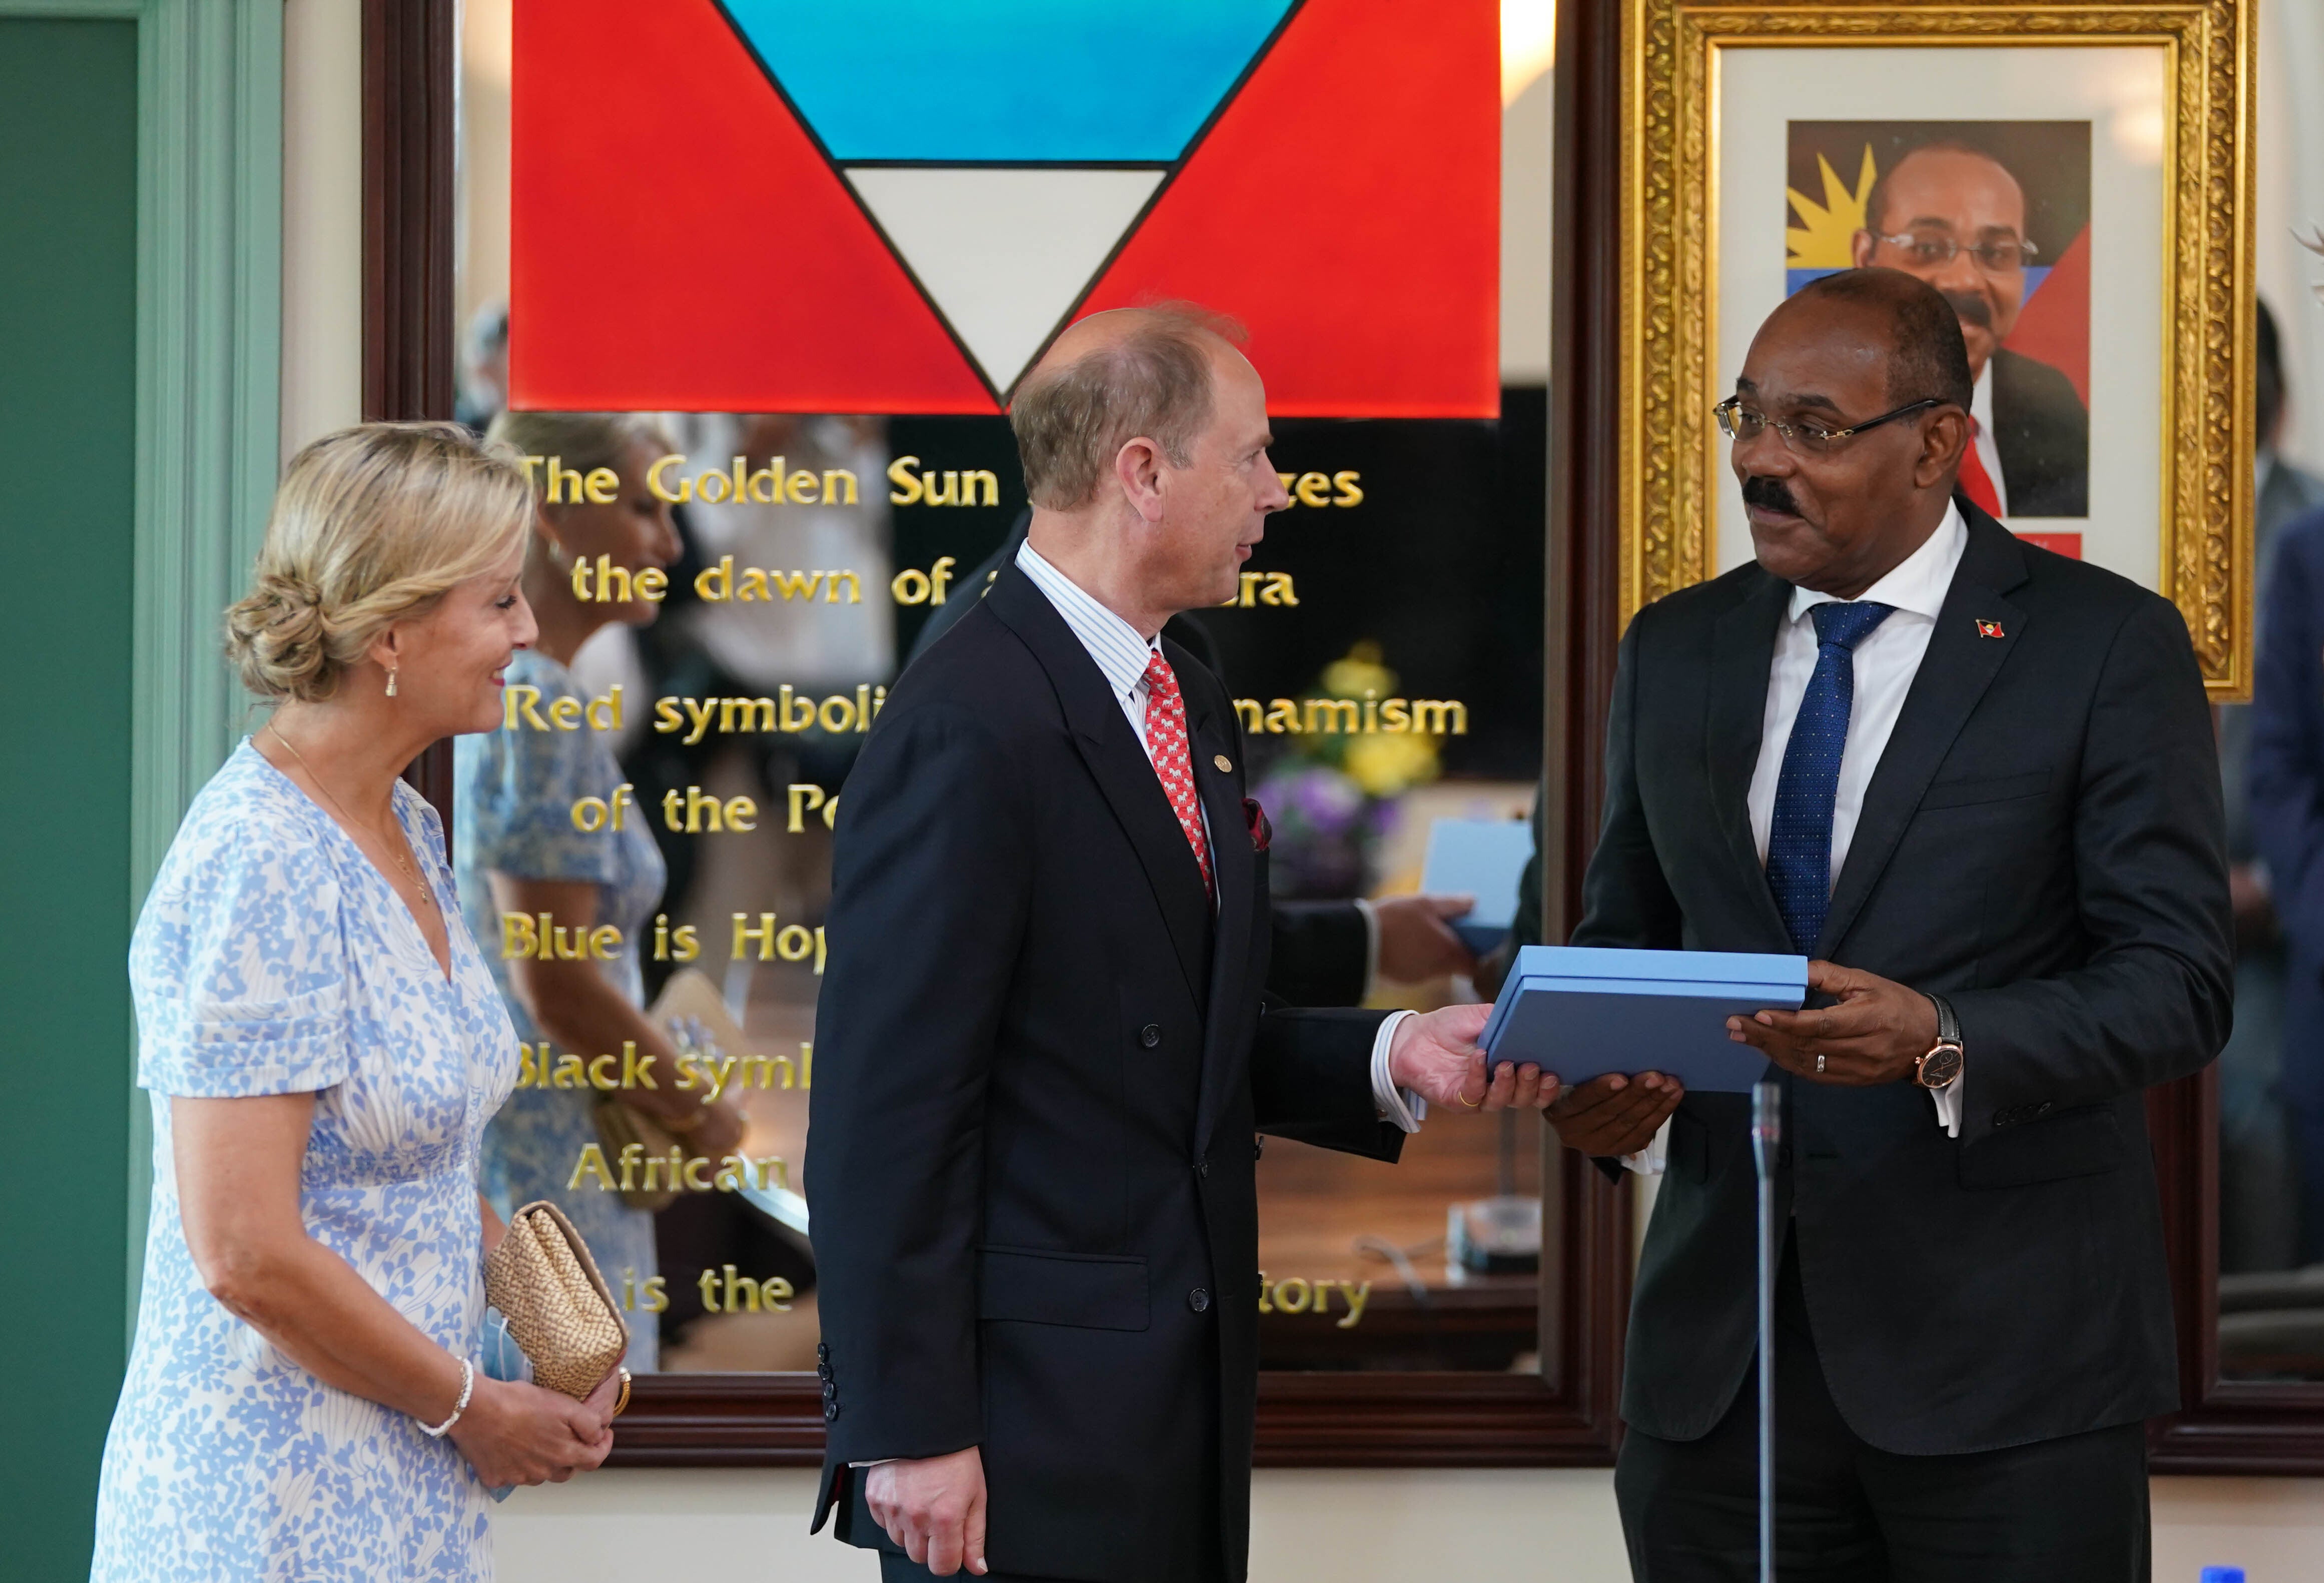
(1766, 1132)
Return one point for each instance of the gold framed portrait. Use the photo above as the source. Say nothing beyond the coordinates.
(2076, 178)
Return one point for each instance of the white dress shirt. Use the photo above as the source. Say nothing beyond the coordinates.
(1886, 661)
(1121, 654)
(1980, 410)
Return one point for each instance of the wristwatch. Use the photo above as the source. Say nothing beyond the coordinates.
(1941, 1066)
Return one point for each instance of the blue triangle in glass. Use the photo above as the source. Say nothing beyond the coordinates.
(1009, 81)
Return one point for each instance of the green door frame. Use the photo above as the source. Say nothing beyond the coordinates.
(209, 338)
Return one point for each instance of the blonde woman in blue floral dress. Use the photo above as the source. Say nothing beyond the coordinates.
(323, 1044)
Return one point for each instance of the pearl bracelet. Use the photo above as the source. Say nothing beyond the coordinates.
(467, 1384)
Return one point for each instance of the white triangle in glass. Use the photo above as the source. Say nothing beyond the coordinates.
(1003, 252)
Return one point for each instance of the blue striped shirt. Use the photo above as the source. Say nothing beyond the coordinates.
(1121, 654)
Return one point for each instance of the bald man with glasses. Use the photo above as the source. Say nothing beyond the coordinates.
(1955, 217)
(1974, 783)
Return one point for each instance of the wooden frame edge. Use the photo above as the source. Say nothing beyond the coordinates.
(2223, 1426)
(1306, 1419)
(411, 86)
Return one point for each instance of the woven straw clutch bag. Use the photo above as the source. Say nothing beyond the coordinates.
(557, 1307)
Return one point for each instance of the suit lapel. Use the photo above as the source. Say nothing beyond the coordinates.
(1118, 763)
(1961, 662)
(1742, 658)
(1237, 873)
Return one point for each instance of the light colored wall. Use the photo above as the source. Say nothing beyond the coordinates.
(487, 67)
(1525, 235)
(322, 217)
(1351, 1526)
(2273, 1528)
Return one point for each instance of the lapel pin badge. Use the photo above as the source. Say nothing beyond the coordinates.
(1989, 629)
(1225, 764)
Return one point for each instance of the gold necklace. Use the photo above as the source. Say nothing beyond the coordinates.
(393, 851)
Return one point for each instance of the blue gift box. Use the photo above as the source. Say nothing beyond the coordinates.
(1583, 1011)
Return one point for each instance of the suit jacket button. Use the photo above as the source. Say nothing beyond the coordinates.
(2043, 1108)
(1150, 1034)
(1203, 1167)
(1199, 1300)
(830, 1412)
(1257, 1148)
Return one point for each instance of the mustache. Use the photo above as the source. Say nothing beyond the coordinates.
(1973, 309)
(1769, 494)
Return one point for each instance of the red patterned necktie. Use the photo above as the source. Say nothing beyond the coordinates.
(1975, 481)
(1165, 744)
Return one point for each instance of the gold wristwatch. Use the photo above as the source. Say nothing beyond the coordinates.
(1940, 1068)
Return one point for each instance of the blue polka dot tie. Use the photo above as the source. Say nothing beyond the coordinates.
(1799, 837)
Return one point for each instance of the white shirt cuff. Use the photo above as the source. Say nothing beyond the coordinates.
(1371, 949)
(1649, 1161)
(1401, 1106)
(1948, 1100)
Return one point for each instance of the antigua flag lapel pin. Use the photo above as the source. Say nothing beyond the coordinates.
(1989, 629)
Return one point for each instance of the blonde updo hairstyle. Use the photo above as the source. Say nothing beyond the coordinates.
(372, 524)
(582, 442)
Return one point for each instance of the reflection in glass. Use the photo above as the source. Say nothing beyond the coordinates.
(1427, 592)
(1386, 658)
(2271, 1112)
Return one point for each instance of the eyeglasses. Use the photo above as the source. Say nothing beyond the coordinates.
(1934, 250)
(1740, 422)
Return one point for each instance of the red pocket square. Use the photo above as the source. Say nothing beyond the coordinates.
(1262, 833)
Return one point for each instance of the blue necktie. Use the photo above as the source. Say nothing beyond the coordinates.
(1799, 837)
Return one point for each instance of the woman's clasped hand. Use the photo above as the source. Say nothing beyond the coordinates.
(513, 1433)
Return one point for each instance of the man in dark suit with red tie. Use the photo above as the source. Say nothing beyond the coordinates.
(1974, 782)
(1043, 1042)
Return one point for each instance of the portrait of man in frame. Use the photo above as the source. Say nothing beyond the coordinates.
(1995, 216)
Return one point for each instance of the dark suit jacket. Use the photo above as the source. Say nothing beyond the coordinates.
(2287, 791)
(2042, 432)
(2289, 494)
(1041, 1060)
(2041, 843)
(1319, 950)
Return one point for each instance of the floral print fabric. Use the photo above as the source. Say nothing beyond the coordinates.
(272, 958)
